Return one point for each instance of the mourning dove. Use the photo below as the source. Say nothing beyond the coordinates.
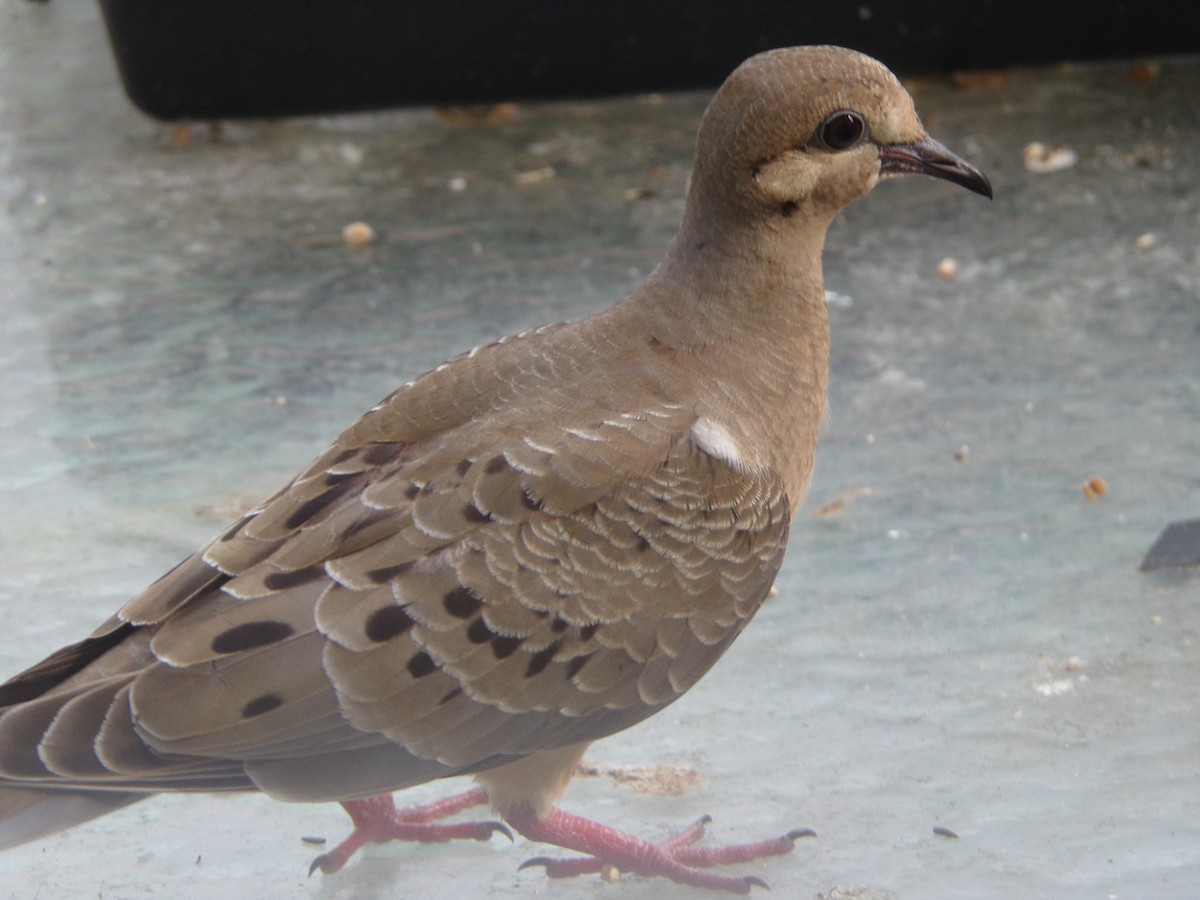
(535, 545)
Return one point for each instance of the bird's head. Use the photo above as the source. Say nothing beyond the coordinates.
(803, 131)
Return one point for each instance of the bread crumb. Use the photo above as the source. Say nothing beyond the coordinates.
(358, 234)
(1095, 488)
(1039, 158)
(533, 176)
(838, 503)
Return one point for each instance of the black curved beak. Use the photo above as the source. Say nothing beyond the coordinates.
(928, 157)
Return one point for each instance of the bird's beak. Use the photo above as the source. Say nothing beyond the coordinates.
(928, 157)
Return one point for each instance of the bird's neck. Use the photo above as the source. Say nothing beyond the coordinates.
(742, 318)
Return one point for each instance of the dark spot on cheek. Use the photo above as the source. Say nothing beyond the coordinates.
(249, 635)
(260, 705)
(788, 209)
(387, 622)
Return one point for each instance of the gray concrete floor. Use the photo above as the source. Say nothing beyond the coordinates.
(967, 644)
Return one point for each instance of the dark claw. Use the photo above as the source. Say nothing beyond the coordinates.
(799, 833)
(318, 863)
(498, 828)
(543, 861)
(754, 881)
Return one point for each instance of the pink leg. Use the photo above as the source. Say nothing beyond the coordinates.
(674, 858)
(377, 820)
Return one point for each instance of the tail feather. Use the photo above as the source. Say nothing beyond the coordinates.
(27, 814)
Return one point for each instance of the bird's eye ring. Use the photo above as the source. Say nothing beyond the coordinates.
(841, 130)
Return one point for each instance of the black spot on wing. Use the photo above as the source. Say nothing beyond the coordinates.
(378, 454)
(387, 622)
(229, 534)
(461, 603)
(587, 632)
(421, 664)
(478, 632)
(60, 665)
(366, 520)
(249, 635)
(281, 581)
(311, 508)
(504, 646)
(387, 573)
(541, 659)
(496, 465)
(473, 513)
(463, 467)
(576, 664)
(261, 704)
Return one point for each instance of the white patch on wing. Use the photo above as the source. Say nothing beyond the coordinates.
(715, 440)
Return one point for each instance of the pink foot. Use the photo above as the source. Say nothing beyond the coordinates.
(377, 820)
(674, 858)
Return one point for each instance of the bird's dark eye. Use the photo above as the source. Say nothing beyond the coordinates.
(842, 130)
